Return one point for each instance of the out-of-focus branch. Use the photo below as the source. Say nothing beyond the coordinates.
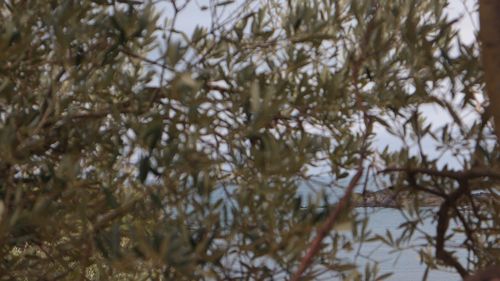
(339, 208)
(104, 220)
(327, 226)
(489, 273)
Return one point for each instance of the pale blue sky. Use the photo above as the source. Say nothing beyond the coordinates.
(193, 15)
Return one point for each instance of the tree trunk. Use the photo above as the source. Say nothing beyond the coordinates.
(489, 19)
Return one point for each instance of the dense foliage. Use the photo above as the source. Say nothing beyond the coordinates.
(134, 150)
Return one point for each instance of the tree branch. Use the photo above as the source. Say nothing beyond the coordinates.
(442, 227)
(327, 226)
(105, 219)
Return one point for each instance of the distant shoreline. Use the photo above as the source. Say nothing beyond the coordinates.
(387, 198)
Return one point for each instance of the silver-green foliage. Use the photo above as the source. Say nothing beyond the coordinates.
(131, 149)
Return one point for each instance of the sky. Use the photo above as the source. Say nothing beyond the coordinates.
(195, 14)
(468, 27)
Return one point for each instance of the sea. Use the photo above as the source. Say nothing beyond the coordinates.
(405, 265)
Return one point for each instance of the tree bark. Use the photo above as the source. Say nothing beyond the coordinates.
(489, 35)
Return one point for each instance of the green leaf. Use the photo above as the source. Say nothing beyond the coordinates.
(144, 168)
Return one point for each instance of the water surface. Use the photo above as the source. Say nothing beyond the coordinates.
(405, 265)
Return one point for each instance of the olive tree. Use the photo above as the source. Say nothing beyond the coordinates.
(132, 149)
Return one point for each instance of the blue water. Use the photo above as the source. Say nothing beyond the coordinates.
(406, 264)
